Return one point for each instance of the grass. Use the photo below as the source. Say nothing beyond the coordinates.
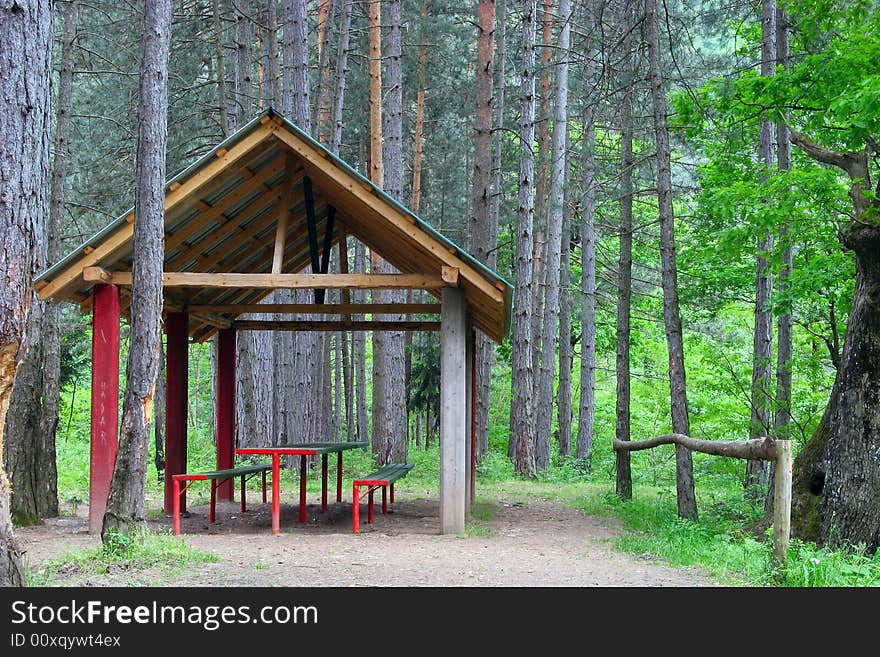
(131, 553)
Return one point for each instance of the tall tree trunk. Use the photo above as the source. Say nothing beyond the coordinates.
(125, 504)
(784, 346)
(684, 468)
(29, 457)
(481, 232)
(542, 254)
(243, 79)
(587, 403)
(220, 70)
(418, 137)
(521, 418)
(26, 62)
(323, 109)
(273, 74)
(624, 262)
(762, 364)
(555, 206)
(563, 393)
(485, 347)
(359, 353)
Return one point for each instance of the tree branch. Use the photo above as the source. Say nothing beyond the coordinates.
(758, 448)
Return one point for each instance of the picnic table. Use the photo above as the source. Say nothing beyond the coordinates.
(302, 450)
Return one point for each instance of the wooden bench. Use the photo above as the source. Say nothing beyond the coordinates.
(215, 476)
(381, 478)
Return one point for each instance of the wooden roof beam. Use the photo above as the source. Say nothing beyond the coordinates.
(272, 325)
(323, 308)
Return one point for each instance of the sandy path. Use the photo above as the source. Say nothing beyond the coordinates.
(538, 544)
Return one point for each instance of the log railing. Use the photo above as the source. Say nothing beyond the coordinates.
(768, 449)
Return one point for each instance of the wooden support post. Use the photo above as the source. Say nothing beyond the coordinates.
(343, 269)
(782, 502)
(453, 411)
(283, 216)
(225, 438)
(105, 400)
(312, 225)
(176, 397)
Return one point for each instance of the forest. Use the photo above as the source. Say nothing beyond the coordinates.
(684, 196)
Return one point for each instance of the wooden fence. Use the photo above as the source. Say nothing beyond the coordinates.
(768, 449)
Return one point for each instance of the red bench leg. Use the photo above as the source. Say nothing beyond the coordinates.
(211, 511)
(302, 488)
(384, 500)
(356, 509)
(323, 482)
(243, 501)
(276, 493)
(175, 505)
(338, 476)
(370, 508)
(392, 493)
(264, 486)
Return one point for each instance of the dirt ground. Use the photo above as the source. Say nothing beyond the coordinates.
(535, 544)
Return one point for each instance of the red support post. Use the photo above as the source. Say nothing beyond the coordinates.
(264, 486)
(176, 399)
(276, 493)
(370, 513)
(302, 488)
(384, 500)
(243, 496)
(175, 489)
(356, 509)
(212, 513)
(225, 438)
(105, 400)
(338, 476)
(324, 482)
(392, 493)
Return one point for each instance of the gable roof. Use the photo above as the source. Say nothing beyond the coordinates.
(222, 213)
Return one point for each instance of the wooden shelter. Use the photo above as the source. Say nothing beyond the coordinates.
(261, 212)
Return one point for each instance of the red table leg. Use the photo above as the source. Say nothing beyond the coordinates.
(302, 488)
(370, 508)
(264, 486)
(175, 504)
(384, 500)
(323, 482)
(243, 502)
(276, 494)
(338, 476)
(356, 509)
(211, 511)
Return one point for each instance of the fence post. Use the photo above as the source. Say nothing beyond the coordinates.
(782, 502)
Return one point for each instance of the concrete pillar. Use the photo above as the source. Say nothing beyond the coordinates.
(225, 438)
(453, 411)
(105, 400)
(176, 397)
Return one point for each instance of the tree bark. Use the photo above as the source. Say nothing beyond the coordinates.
(762, 365)
(587, 402)
(483, 232)
(521, 418)
(624, 262)
(243, 78)
(323, 109)
(26, 62)
(563, 393)
(125, 504)
(485, 347)
(220, 70)
(341, 74)
(273, 74)
(836, 481)
(684, 469)
(553, 248)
